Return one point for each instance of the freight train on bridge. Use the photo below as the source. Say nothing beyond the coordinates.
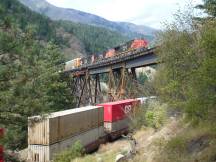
(121, 50)
(118, 65)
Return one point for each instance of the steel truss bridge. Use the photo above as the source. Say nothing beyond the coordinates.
(121, 72)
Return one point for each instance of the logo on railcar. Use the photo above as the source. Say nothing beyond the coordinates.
(127, 109)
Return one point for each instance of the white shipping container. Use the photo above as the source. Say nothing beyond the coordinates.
(144, 100)
(43, 153)
(62, 125)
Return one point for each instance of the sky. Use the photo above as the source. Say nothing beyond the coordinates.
(152, 13)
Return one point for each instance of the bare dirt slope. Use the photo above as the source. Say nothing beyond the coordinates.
(148, 142)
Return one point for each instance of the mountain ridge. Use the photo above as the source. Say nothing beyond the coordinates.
(58, 13)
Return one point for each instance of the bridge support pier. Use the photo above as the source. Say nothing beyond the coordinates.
(122, 83)
(97, 88)
(86, 89)
(133, 71)
(117, 84)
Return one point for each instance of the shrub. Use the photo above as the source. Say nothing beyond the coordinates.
(138, 120)
(75, 151)
(155, 116)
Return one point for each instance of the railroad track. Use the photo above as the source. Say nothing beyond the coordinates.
(121, 57)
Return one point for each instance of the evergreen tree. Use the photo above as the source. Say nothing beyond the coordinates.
(186, 77)
(30, 82)
(209, 7)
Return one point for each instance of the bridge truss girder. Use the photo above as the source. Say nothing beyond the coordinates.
(86, 89)
(121, 83)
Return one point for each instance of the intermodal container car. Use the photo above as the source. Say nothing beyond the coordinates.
(62, 125)
(114, 111)
(46, 153)
(110, 53)
(139, 43)
(73, 64)
(144, 100)
(117, 117)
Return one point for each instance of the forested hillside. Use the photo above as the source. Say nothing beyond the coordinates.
(73, 44)
(57, 13)
(95, 39)
(45, 29)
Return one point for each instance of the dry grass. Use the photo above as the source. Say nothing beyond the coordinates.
(151, 141)
(175, 142)
(190, 145)
(107, 152)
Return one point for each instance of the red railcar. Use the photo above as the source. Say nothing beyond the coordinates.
(117, 117)
(110, 53)
(117, 110)
(139, 43)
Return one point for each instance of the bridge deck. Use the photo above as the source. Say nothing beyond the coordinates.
(133, 59)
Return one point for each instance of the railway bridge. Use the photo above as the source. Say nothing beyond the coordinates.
(120, 75)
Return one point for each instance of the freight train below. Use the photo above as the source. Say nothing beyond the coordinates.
(114, 52)
(91, 125)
